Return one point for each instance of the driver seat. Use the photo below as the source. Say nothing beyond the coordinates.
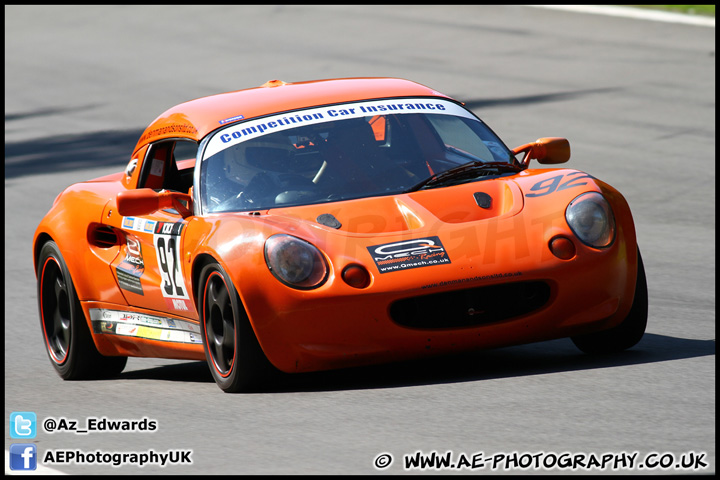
(351, 153)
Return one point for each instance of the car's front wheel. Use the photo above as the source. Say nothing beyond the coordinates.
(233, 353)
(629, 332)
(65, 329)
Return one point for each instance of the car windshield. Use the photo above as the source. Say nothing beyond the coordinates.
(344, 152)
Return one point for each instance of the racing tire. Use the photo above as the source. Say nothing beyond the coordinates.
(66, 334)
(629, 332)
(235, 358)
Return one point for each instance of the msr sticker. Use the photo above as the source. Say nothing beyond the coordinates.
(421, 252)
(231, 119)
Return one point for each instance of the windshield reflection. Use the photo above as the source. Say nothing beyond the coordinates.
(335, 157)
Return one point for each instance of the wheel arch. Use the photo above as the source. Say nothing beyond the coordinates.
(201, 261)
(81, 358)
(41, 239)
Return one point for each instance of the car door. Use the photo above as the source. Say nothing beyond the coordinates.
(149, 268)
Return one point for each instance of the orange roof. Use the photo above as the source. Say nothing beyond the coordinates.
(197, 118)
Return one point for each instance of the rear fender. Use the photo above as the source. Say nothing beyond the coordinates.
(71, 224)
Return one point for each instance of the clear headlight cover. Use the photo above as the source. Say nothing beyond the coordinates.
(591, 219)
(295, 262)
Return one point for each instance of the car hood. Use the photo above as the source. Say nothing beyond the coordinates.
(417, 210)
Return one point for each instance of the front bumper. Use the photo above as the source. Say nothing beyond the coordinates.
(444, 309)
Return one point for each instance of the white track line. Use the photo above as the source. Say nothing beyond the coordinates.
(640, 13)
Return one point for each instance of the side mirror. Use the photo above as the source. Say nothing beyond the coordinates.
(144, 201)
(549, 150)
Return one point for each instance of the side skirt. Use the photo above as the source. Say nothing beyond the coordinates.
(117, 330)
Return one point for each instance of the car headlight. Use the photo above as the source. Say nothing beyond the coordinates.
(295, 262)
(591, 219)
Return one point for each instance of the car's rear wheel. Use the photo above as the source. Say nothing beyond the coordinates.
(233, 353)
(65, 330)
(629, 332)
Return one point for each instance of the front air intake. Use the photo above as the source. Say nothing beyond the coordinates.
(470, 307)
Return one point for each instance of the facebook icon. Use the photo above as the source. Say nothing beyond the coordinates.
(23, 456)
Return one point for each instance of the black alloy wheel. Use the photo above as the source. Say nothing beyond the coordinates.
(236, 361)
(65, 329)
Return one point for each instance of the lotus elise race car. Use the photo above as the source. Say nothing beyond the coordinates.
(319, 225)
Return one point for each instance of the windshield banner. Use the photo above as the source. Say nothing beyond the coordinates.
(256, 128)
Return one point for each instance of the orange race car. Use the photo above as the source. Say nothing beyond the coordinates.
(319, 225)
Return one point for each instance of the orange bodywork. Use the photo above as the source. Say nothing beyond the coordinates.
(338, 324)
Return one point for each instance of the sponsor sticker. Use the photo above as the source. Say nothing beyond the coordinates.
(132, 267)
(138, 224)
(407, 254)
(231, 119)
(141, 325)
(234, 134)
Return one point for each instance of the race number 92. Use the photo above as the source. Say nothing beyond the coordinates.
(167, 241)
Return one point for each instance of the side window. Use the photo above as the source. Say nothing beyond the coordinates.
(156, 166)
(184, 154)
(169, 165)
(185, 151)
(458, 134)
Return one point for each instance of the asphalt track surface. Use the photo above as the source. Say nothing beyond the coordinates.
(636, 99)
